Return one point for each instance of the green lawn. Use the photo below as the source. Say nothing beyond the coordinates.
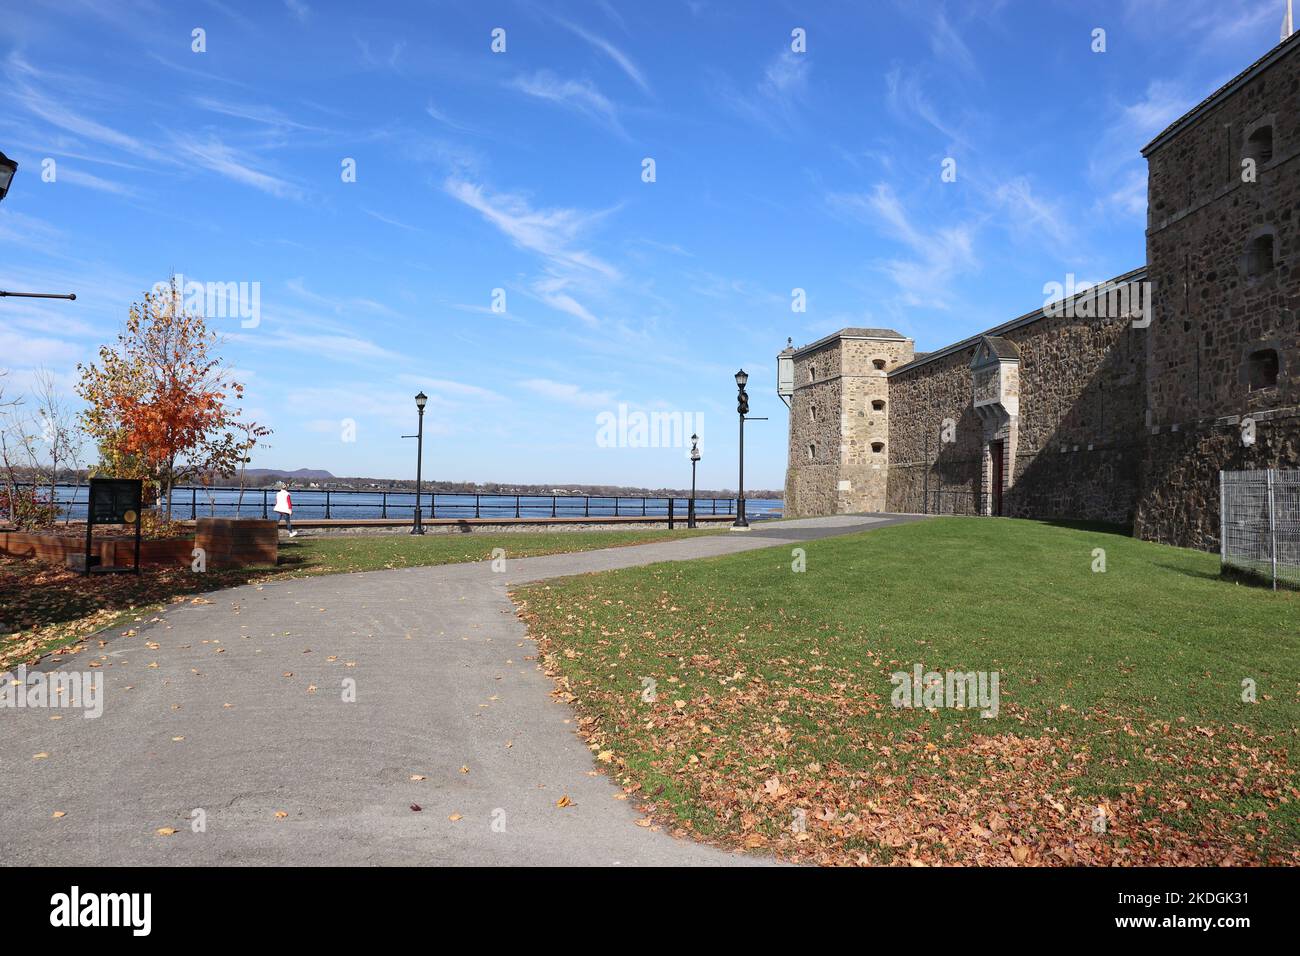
(335, 554)
(45, 608)
(1119, 690)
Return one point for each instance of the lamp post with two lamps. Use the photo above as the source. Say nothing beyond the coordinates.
(695, 460)
(420, 401)
(742, 408)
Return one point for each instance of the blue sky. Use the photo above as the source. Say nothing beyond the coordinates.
(522, 171)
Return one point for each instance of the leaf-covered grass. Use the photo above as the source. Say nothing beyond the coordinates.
(45, 608)
(1121, 697)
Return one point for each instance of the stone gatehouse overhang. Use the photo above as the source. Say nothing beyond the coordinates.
(995, 389)
(1029, 318)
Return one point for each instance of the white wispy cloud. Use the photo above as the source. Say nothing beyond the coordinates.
(298, 9)
(23, 92)
(338, 305)
(623, 61)
(568, 393)
(785, 78)
(551, 233)
(29, 231)
(1214, 23)
(389, 220)
(253, 112)
(1116, 169)
(319, 344)
(378, 61)
(446, 120)
(1028, 212)
(778, 95)
(581, 96)
(947, 44)
(908, 101)
(27, 350)
(451, 391)
(78, 177)
(939, 256)
(214, 155)
(465, 390)
(552, 291)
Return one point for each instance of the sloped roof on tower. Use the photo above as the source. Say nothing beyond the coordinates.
(852, 333)
(1289, 45)
(1001, 348)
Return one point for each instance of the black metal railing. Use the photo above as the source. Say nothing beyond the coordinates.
(195, 501)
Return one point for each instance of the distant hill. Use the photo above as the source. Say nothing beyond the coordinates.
(304, 474)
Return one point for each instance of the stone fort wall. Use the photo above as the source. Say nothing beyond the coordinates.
(839, 424)
(1220, 307)
(1078, 432)
(1099, 417)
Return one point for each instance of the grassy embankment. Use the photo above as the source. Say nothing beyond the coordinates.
(1122, 734)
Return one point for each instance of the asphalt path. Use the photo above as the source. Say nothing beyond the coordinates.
(228, 721)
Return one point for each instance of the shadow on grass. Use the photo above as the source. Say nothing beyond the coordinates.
(1193, 572)
(1257, 579)
(1092, 527)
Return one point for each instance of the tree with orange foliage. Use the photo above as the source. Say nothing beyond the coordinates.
(159, 404)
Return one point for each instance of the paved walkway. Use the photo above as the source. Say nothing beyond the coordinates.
(234, 708)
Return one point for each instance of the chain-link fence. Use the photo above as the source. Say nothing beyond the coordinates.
(1260, 524)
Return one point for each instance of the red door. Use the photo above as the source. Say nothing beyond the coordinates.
(995, 450)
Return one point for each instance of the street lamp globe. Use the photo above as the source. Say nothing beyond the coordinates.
(420, 401)
(741, 378)
(7, 169)
(695, 448)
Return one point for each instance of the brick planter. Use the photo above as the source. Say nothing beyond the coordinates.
(115, 551)
(229, 543)
(237, 542)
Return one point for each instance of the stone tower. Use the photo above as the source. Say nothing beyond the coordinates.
(839, 420)
(1223, 254)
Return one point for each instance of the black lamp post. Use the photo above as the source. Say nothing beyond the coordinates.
(420, 400)
(695, 460)
(7, 169)
(742, 408)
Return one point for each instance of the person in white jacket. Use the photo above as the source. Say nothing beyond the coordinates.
(284, 506)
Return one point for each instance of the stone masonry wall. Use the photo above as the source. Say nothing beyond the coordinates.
(815, 421)
(834, 467)
(1210, 311)
(866, 428)
(1079, 429)
(920, 399)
